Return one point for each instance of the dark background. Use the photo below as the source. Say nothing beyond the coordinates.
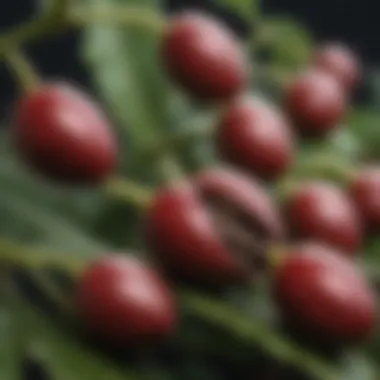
(355, 22)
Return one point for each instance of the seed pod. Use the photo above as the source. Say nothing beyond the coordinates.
(62, 134)
(122, 301)
(256, 137)
(323, 294)
(316, 103)
(339, 61)
(321, 211)
(215, 228)
(204, 57)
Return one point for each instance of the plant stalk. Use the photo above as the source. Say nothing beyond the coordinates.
(61, 19)
(12, 254)
(116, 15)
(129, 191)
(23, 71)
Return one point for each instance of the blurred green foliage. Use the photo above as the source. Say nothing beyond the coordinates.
(214, 335)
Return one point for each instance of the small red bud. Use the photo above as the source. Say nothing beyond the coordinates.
(122, 301)
(214, 229)
(338, 60)
(316, 103)
(324, 295)
(204, 57)
(321, 211)
(61, 133)
(256, 137)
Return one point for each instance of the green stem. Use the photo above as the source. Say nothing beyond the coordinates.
(59, 19)
(23, 71)
(36, 261)
(177, 141)
(53, 292)
(15, 255)
(46, 24)
(116, 15)
(325, 165)
(258, 333)
(140, 196)
(283, 189)
(170, 168)
(276, 75)
(322, 166)
(129, 191)
(58, 9)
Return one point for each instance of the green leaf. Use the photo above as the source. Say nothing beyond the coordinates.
(125, 68)
(64, 357)
(321, 161)
(261, 335)
(288, 43)
(199, 336)
(371, 258)
(12, 343)
(154, 370)
(364, 123)
(42, 213)
(28, 222)
(356, 365)
(248, 10)
(346, 144)
(125, 64)
(78, 207)
(261, 306)
(193, 367)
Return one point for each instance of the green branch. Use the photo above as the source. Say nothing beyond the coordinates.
(258, 334)
(60, 19)
(59, 9)
(25, 74)
(15, 255)
(49, 23)
(129, 191)
(116, 15)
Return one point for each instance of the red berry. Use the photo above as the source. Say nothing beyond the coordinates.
(214, 229)
(321, 211)
(339, 61)
(254, 136)
(61, 133)
(316, 103)
(324, 295)
(122, 301)
(204, 57)
(365, 191)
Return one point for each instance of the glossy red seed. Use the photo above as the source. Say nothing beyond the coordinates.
(338, 60)
(316, 103)
(204, 57)
(122, 301)
(61, 133)
(321, 211)
(182, 233)
(256, 137)
(325, 295)
(365, 192)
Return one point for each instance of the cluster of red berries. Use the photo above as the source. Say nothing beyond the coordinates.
(220, 227)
